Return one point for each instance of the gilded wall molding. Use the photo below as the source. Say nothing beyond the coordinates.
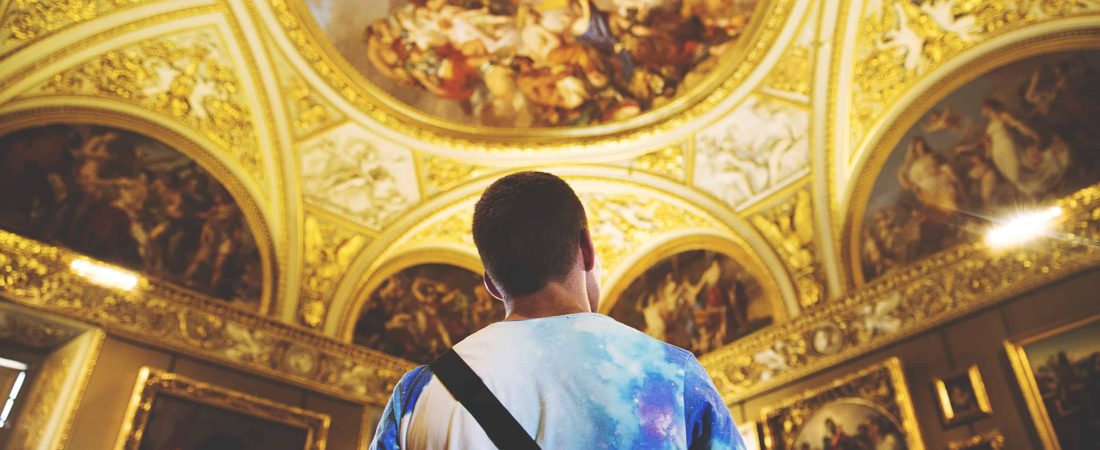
(928, 293)
(37, 275)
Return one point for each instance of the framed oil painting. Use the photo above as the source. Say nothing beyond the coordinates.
(423, 310)
(962, 396)
(1016, 136)
(992, 440)
(1059, 373)
(698, 300)
(128, 199)
(532, 64)
(868, 409)
(170, 412)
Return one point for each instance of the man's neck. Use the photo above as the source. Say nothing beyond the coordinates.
(556, 299)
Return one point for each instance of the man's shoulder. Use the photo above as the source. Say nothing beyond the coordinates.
(670, 351)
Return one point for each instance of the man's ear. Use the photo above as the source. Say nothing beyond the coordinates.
(491, 286)
(588, 251)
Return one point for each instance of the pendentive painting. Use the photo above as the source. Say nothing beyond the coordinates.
(533, 63)
(130, 200)
(1020, 135)
(423, 310)
(698, 300)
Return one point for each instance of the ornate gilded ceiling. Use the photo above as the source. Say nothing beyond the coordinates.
(343, 186)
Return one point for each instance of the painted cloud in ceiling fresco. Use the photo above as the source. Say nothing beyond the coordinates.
(130, 200)
(358, 175)
(1017, 136)
(698, 300)
(759, 145)
(423, 310)
(536, 62)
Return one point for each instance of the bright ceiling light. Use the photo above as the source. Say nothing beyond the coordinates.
(1022, 228)
(104, 275)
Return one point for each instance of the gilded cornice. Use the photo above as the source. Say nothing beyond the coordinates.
(37, 275)
(928, 293)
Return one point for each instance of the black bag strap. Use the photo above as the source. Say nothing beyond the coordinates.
(466, 387)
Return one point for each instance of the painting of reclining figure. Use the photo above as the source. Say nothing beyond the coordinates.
(1018, 136)
(698, 300)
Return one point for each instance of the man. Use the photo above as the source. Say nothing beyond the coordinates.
(573, 379)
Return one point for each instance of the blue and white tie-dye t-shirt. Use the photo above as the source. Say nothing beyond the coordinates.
(578, 381)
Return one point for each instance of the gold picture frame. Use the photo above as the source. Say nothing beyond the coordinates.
(310, 426)
(950, 391)
(1028, 381)
(876, 395)
(992, 440)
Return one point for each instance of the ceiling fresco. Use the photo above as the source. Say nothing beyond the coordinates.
(830, 143)
(131, 200)
(533, 63)
(1014, 138)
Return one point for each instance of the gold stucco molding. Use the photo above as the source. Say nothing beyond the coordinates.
(37, 275)
(930, 292)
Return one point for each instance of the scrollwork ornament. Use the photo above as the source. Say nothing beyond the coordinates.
(185, 76)
(329, 250)
(174, 318)
(789, 228)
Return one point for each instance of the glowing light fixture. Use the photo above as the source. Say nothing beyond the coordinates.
(104, 275)
(1022, 227)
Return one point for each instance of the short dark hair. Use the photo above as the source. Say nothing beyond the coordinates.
(527, 227)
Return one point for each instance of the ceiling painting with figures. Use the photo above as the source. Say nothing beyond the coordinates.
(698, 300)
(1016, 137)
(533, 63)
(423, 310)
(128, 199)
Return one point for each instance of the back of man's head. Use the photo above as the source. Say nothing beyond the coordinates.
(528, 228)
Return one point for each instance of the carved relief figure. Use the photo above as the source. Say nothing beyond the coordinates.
(421, 311)
(699, 300)
(129, 200)
(540, 63)
(1018, 136)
